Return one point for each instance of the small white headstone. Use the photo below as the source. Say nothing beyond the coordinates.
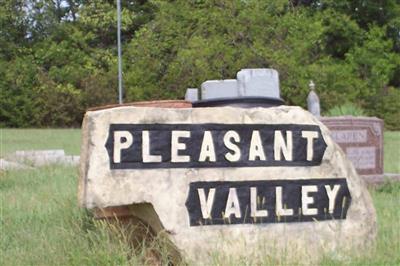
(34, 153)
(192, 95)
(72, 160)
(7, 165)
(262, 82)
(39, 157)
(214, 89)
(45, 157)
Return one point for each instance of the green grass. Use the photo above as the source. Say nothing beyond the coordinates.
(41, 223)
(392, 151)
(387, 250)
(29, 139)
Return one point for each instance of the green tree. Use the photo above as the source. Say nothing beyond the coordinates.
(18, 98)
(189, 42)
(58, 57)
(13, 29)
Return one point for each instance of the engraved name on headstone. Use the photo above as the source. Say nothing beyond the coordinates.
(362, 157)
(349, 136)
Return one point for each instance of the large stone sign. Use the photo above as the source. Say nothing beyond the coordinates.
(238, 182)
(361, 138)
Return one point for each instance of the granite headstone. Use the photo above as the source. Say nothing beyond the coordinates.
(361, 138)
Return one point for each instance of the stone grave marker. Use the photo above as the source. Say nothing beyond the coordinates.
(39, 157)
(253, 82)
(238, 182)
(212, 89)
(361, 138)
(8, 165)
(313, 104)
(258, 82)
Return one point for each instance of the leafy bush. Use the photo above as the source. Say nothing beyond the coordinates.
(346, 109)
(386, 105)
(190, 42)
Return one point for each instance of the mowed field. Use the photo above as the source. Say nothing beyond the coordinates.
(41, 223)
(36, 139)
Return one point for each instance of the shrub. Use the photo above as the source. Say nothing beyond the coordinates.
(346, 109)
(386, 105)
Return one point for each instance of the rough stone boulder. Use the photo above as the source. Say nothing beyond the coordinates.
(228, 181)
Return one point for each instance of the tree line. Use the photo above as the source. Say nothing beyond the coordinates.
(58, 57)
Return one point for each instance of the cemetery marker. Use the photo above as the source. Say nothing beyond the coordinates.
(236, 181)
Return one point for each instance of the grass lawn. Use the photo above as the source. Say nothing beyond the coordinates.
(391, 151)
(35, 139)
(42, 225)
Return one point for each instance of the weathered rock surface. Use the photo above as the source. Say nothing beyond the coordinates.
(167, 189)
